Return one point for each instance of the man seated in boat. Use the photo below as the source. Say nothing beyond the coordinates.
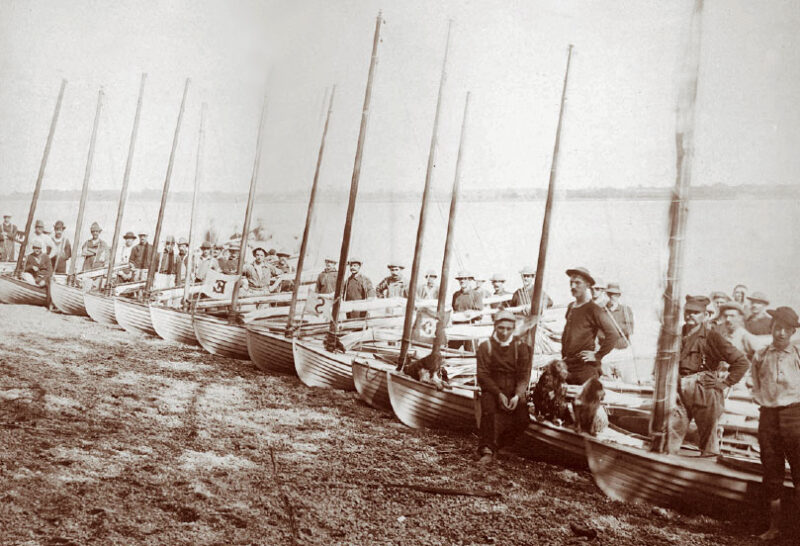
(205, 263)
(94, 251)
(357, 287)
(504, 372)
(393, 286)
(429, 290)
(283, 267)
(586, 321)
(759, 321)
(8, 236)
(776, 389)
(38, 267)
(141, 253)
(230, 265)
(258, 274)
(62, 249)
(621, 314)
(701, 385)
(498, 281)
(522, 296)
(326, 280)
(466, 298)
(39, 236)
(127, 273)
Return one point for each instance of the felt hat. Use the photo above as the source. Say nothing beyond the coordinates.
(129, 235)
(331, 260)
(581, 272)
(720, 295)
(395, 263)
(206, 244)
(504, 315)
(697, 304)
(759, 297)
(280, 253)
(463, 274)
(735, 305)
(58, 224)
(95, 227)
(6, 216)
(39, 223)
(498, 277)
(786, 315)
(613, 288)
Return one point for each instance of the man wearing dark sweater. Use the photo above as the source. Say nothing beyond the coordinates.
(585, 320)
(504, 371)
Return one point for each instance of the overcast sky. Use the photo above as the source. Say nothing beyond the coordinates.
(618, 129)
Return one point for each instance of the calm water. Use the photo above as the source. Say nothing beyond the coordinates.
(728, 241)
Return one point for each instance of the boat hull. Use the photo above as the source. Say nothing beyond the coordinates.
(67, 299)
(317, 367)
(100, 308)
(219, 337)
(173, 324)
(560, 445)
(270, 352)
(421, 405)
(134, 316)
(17, 292)
(371, 383)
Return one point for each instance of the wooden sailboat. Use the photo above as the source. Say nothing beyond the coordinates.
(133, 313)
(12, 288)
(100, 303)
(649, 475)
(321, 365)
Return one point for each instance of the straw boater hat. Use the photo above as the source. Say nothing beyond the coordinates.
(141, 233)
(735, 305)
(206, 244)
(759, 297)
(431, 273)
(785, 315)
(498, 277)
(527, 270)
(355, 260)
(464, 275)
(581, 272)
(599, 283)
(613, 288)
(169, 239)
(696, 304)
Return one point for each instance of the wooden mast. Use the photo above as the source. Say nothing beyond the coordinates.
(362, 133)
(248, 211)
(309, 214)
(154, 257)
(448, 245)
(412, 287)
(669, 339)
(193, 220)
(39, 179)
(123, 194)
(85, 189)
(536, 300)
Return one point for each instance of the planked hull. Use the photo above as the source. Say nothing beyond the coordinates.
(675, 481)
(100, 308)
(68, 299)
(317, 367)
(133, 316)
(173, 324)
(270, 352)
(421, 405)
(371, 383)
(219, 337)
(17, 292)
(561, 445)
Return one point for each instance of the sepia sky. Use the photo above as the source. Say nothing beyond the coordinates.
(618, 128)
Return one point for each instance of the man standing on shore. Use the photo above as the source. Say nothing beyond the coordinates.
(205, 263)
(429, 290)
(62, 249)
(585, 320)
(622, 314)
(466, 298)
(326, 281)
(140, 255)
(776, 389)
(759, 321)
(357, 287)
(8, 236)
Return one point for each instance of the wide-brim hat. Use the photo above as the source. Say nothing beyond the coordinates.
(720, 295)
(206, 244)
(464, 275)
(735, 305)
(498, 277)
(600, 283)
(280, 253)
(128, 235)
(581, 272)
(613, 288)
(431, 273)
(504, 315)
(355, 260)
(786, 315)
(759, 297)
(527, 270)
(39, 223)
(696, 304)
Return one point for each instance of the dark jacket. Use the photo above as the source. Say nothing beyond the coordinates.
(464, 300)
(504, 369)
(44, 268)
(140, 255)
(705, 349)
(358, 287)
(326, 282)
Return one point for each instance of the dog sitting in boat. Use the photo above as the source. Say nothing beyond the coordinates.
(549, 396)
(428, 370)
(590, 417)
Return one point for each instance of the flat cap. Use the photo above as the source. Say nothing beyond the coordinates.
(95, 227)
(697, 304)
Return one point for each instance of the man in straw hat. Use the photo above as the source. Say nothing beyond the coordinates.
(759, 321)
(393, 286)
(776, 389)
(429, 290)
(8, 236)
(326, 280)
(39, 236)
(702, 383)
(38, 267)
(95, 250)
(586, 321)
(522, 296)
(62, 248)
(357, 287)
(466, 298)
(504, 372)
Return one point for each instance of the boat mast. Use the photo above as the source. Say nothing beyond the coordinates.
(669, 339)
(123, 194)
(39, 179)
(85, 189)
(154, 261)
(412, 287)
(448, 245)
(536, 300)
(309, 214)
(193, 220)
(362, 133)
(248, 213)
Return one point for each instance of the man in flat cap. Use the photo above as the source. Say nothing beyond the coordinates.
(326, 280)
(38, 267)
(776, 389)
(429, 290)
(759, 321)
(702, 383)
(586, 321)
(141, 253)
(393, 286)
(522, 296)
(205, 262)
(62, 248)
(466, 298)
(95, 251)
(504, 372)
(9, 234)
(357, 287)
(39, 236)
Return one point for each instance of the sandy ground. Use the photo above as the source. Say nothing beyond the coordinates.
(111, 438)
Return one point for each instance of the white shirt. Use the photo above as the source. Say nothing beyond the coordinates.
(125, 254)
